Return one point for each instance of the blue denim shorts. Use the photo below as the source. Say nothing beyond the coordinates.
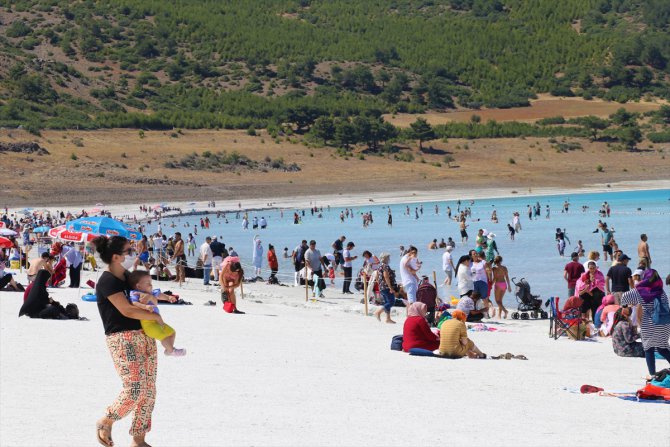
(483, 288)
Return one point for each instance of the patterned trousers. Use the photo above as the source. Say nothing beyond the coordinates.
(135, 359)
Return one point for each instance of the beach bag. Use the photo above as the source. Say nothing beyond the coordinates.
(72, 311)
(661, 378)
(577, 332)
(396, 343)
(661, 314)
(653, 392)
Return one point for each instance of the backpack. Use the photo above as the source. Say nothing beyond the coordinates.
(72, 311)
(396, 343)
(661, 314)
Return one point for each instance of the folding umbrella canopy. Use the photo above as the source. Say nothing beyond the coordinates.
(103, 225)
(5, 243)
(2, 224)
(74, 236)
(7, 232)
(41, 229)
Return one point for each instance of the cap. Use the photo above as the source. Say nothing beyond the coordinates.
(491, 236)
(450, 248)
(638, 272)
(624, 258)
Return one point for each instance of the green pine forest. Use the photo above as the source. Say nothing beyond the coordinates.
(330, 68)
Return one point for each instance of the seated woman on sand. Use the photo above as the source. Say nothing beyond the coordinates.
(590, 287)
(473, 309)
(454, 341)
(38, 304)
(416, 333)
(623, 335)
(605, 315)
(7, 279)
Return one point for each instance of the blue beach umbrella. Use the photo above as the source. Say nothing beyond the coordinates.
(103, 225)
(42, 229)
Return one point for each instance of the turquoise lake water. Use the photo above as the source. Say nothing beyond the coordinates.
(533, 253)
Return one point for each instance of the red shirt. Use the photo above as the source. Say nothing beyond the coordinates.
(417, 334)
(574, 269)
(272, 261)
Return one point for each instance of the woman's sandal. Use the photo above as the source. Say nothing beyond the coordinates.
(104, 429)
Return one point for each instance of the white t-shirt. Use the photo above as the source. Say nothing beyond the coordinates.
(464, 277)
(206, 254)
(446, 261)
(479, 271)
(407, 276)
(346, 253)
(158, 243)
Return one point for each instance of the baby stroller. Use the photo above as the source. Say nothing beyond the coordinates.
(427, 294)
(530, 306)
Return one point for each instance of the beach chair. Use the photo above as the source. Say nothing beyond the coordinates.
(566, 323)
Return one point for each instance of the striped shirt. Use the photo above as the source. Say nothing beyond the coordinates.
(653, 335)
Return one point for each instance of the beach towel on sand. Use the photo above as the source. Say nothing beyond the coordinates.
(644, 401)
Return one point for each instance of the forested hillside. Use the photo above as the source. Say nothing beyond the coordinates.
(264, 63)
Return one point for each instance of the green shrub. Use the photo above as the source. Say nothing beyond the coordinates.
(404, 156)
(659, 137)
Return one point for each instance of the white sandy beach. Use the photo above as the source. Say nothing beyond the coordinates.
(356, 198)
(296, 373)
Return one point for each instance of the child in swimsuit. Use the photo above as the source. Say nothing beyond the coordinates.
(140, 282)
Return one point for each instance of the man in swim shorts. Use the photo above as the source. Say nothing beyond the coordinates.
(606, 238)
(643, 250)
(464, 233)
(179, 257)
